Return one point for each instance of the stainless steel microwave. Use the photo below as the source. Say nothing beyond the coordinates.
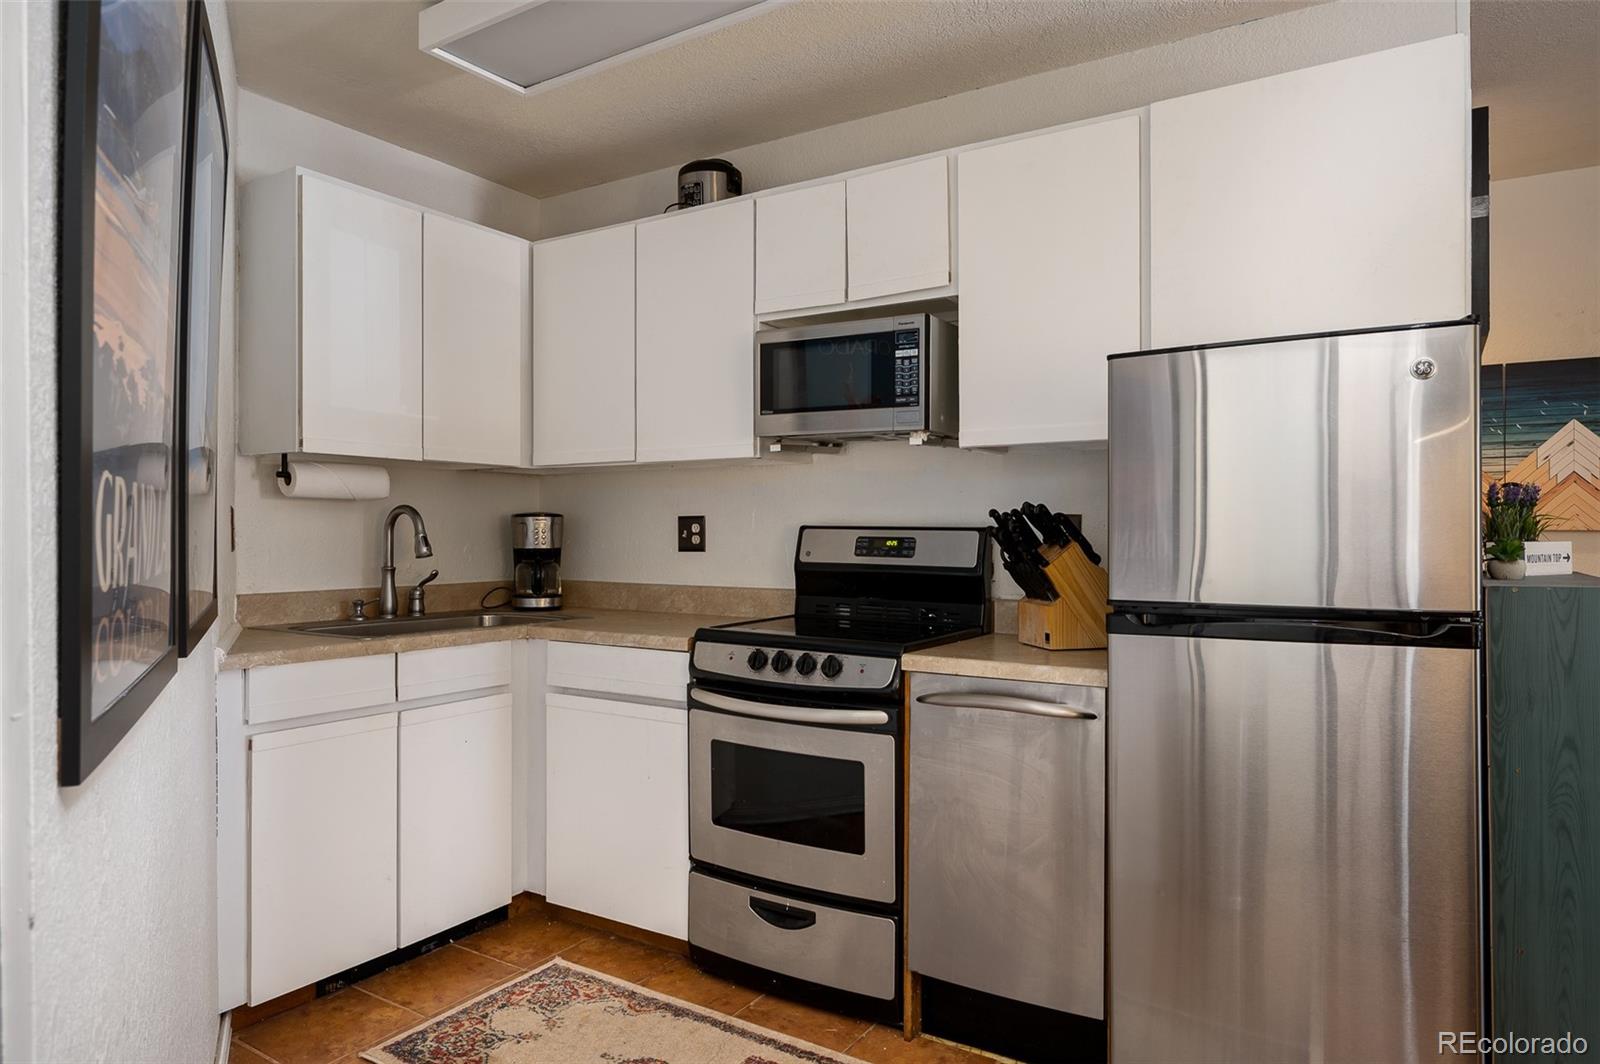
(869, 377)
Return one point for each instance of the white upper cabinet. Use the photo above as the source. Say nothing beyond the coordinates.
(1333, 197)
(1049, 267)
(695, 335)
(374, 329)
(800, 248)
(474, 343)
(583, 314)
(360, 322)
(899, 229)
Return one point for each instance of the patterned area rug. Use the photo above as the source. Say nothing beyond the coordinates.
(562, 1013)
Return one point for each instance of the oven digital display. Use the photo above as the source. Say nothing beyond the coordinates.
(886, 546)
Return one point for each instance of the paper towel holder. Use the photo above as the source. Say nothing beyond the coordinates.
(283, 473)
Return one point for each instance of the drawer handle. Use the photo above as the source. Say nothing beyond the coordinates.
(1009, 703)
(783, 917)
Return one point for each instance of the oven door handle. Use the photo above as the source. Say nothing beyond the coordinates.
(1008, 703)
(794, 714)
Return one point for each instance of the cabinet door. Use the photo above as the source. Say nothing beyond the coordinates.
(474, 343)
(617, 811)
(361, 322)
(695, 335)
(583, 349)
(322, 851)
(455, 813)
(800, 248)
(1049, 266)
(1334, 197)
(899, 229)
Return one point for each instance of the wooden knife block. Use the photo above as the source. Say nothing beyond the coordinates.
(1076, 620)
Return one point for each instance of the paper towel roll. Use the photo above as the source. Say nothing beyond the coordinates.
(334, 480)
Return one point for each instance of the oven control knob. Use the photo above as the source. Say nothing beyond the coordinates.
(831, 666)
(781, 662)
(806, 665)
(757, 660)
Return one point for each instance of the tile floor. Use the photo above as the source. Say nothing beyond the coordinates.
(335, 1029)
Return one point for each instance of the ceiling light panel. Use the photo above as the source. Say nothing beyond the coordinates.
(532, 45)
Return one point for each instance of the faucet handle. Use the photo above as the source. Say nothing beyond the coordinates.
(417, 609)
(358, 610)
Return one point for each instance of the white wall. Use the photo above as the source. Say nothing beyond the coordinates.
(622, 524)
(275, 136)
(466, 512)
(109, 924)
(1306, 37)
(305, 544)
(1544, 284)
(1544, 267)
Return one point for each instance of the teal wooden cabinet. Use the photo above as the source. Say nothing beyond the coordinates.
(1544, 806)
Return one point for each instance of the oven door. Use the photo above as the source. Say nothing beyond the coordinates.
(793, 803)
(856, 378)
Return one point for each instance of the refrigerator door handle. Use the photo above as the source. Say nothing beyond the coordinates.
(1416, 630)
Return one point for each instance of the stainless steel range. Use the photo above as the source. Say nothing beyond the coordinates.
(795, 766)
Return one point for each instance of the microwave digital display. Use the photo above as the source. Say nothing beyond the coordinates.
(862, 371)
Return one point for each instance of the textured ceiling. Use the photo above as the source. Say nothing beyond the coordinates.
(798, 67)
(1536, 66)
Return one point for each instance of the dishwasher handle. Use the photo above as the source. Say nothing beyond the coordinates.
(1038, 707)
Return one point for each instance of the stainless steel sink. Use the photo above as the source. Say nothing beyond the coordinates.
(438, 622)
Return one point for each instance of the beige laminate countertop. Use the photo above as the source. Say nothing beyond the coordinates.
(622, 628)
(1001, 657)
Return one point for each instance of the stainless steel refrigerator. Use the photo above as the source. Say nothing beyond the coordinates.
(1294, 743)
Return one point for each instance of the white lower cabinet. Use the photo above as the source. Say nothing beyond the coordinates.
(455, 813)
(322, 851)
(617, 815)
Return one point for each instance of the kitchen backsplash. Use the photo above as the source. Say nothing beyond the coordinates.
(621, 524)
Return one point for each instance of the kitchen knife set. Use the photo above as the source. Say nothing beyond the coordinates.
(1029, 538)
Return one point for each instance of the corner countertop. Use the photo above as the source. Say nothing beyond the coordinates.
(622, 628)
(1000, 657)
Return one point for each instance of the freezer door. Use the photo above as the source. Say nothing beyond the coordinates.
(1293, 850)
(1334, 472)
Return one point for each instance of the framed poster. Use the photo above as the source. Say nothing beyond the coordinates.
(205, 204)
(121, 185)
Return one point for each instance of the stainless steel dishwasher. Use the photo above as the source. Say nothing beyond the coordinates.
(1006, 880)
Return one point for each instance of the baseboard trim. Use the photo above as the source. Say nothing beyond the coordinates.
(528, 902)
(224, 1038)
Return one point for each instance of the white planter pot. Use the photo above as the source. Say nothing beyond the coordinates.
(1500, 570)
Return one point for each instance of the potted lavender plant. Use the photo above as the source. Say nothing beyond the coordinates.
(1511, 520)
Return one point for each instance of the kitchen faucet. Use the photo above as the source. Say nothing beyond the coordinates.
(388, 600)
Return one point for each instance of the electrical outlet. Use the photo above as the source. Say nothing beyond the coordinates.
(692, 533)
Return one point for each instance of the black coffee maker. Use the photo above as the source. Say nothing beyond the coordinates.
(536, 553)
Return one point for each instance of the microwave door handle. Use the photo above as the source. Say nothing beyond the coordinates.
(1007, 703)
(794, 714)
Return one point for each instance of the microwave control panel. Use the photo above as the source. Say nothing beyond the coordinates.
(907, 367)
